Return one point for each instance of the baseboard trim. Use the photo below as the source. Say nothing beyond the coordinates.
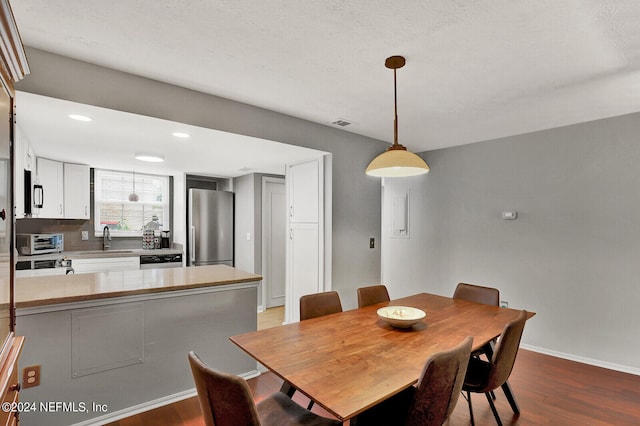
(150, 405)
(584, 360)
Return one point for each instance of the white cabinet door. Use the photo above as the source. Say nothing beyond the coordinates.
(76, 191)
(24, 159)
(305, 243)
(105, 264)
(304, 193)
(50, 176)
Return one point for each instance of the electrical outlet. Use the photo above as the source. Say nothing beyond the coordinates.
(31, 376)
(504, 304)
(85, 235)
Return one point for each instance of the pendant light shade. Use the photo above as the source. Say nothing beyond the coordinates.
(396, 161)
(133, 197)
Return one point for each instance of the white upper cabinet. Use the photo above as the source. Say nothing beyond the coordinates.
(51, 176)
(76, 191)
(65, 190)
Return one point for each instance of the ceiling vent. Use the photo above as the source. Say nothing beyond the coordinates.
(341, 122)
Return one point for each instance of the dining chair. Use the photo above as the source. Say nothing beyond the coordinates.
(432, 400)
(485, 376)
(479, 294)
(319, 304)
(372, 294)
(314, 306)
(226, 400)
(486, 296)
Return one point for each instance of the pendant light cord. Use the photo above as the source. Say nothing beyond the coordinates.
(395, 104)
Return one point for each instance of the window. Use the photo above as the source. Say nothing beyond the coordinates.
(127, 218)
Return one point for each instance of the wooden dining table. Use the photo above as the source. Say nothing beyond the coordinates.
(350, 361)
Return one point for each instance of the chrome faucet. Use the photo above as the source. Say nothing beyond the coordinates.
(106, 238)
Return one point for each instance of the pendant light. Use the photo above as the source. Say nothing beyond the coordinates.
(396, 161)
(133, 197)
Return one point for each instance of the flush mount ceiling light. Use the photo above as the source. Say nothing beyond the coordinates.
(396, 161)
(152, 158)
(79, 117)
(181, 135)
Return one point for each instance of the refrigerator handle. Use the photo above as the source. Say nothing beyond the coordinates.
(193, 245)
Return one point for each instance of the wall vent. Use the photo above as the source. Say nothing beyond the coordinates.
(340, 122)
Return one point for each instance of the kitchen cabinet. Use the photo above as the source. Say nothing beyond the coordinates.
(51, 177)
(106, 264)
(24, 160)
(76, 191)
(66, 190)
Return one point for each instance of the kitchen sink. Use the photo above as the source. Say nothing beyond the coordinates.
(104, 251)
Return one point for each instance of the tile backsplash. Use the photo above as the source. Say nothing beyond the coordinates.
(72, 230)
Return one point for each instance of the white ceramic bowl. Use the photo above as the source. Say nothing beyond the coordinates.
(401, 316)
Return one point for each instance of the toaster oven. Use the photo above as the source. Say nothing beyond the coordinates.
(30, 244)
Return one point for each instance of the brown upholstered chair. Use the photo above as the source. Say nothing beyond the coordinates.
(226, 400)
(432, 400)
(319, 304)
(487, 296)
(477, 293)
(483, 376)
(372, 295)
(313, 306)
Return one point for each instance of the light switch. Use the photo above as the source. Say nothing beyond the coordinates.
(85, 235)
(509, 215)
(248, 236)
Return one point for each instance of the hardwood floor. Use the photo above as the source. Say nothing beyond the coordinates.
(550, 391)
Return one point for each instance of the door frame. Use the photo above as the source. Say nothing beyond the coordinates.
(265, 278)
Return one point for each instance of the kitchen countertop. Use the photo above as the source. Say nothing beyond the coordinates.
(92, 254)
(51, 290)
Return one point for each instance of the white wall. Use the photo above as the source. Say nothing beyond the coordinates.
(572, 254)
(245, 209)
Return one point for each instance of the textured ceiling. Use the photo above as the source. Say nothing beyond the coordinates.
(476, 70)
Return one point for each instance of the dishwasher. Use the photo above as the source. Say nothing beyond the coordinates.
(154, 261)
(40, 267)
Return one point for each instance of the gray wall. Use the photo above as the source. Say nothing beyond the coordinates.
(572, 254)
(356, 197)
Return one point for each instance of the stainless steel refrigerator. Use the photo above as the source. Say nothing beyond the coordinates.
(210, 227)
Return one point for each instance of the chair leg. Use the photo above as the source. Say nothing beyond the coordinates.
(470, 408)
(310, 406)
(506, 388)
(493, 409)
(287, 389)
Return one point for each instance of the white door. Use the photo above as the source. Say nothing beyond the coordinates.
(274, 228)
(305, 243)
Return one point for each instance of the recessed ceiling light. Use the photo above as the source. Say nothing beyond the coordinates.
(79, 117)
(181, 135)
(152, 158)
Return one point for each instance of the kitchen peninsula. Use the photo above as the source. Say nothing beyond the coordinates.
(119, 339)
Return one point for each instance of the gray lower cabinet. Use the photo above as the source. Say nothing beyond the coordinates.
(104, 359)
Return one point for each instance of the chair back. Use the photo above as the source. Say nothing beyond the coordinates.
(319, 304)
(477, 293)
(439, 386)
(225, 399)
(504, 356)
(372, 295)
